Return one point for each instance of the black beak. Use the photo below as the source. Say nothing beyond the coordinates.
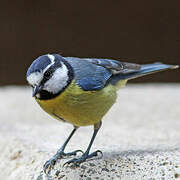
(36, 90)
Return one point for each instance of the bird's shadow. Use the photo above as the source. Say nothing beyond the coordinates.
(139, 152)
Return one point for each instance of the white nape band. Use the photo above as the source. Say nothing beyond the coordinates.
(52, 58)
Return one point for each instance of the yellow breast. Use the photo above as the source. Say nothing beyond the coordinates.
(81, 108)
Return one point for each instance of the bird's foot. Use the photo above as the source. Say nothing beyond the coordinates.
(59, 155)
(83, 158)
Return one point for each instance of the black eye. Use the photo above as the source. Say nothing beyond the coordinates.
(47, 74)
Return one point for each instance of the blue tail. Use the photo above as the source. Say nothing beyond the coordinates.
(145, 70)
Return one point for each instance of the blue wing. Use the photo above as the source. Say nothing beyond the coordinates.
(89, 76)
(93, 74)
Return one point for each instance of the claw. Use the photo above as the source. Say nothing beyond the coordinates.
(70, 161)
(74, 153)
(83, 158)
(49, 165)
(59, 155)
(101, 153)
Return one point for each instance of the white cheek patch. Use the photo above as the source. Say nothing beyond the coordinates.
(35, 78)
(58, 81)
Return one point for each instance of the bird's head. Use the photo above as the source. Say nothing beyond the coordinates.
(49, 75)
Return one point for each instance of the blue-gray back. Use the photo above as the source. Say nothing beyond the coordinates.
(94, 74)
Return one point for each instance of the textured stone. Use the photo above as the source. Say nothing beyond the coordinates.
(140, 137)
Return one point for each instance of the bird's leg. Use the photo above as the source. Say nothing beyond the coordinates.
(60, 154)
(86, 155)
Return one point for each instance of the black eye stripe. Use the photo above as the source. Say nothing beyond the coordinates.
(45, 95)
(49, 72)
(47, 75)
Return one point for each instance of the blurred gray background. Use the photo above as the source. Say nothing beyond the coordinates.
(133, 31)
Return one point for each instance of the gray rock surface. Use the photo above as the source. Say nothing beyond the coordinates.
(140, 137)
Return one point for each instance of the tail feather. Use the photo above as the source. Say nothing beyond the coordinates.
(147, 69)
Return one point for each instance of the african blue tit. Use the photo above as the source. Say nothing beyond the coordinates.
(80, 91)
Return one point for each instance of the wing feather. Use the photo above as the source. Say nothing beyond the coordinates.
(116, 67)
(93, 74)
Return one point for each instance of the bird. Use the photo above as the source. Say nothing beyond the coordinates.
(80, 91)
